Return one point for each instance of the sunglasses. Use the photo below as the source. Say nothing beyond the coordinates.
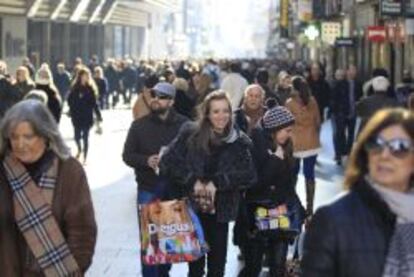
(155, 94)
(399, 148)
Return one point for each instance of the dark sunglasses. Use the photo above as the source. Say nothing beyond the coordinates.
(160, 96)
(398, 147)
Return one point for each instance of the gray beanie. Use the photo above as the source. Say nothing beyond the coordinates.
(278, 118)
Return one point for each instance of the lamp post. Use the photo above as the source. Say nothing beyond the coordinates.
(312, 33)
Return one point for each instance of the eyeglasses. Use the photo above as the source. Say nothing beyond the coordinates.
(398, 147)
(155, 94)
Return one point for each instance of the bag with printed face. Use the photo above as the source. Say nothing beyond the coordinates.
(170, 233)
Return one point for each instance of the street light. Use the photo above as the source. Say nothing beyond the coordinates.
(311, 32)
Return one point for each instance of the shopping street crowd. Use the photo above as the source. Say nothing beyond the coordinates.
(229, 136)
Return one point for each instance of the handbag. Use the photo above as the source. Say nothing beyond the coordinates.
(170, 233)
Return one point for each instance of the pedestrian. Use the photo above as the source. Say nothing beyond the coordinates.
(246, 119)
(29, 65)
(235, 84)
(305, 137)
(44, 81)
(403, 90)
(184, 101)
(128, 79)
(368, 231)
(319, 88)
(62, 80)
(262, 78)
(112, 75)
(202, 85)
(8, 92)
(40, 180)
(83, 103)
(368, 106)
(251, 110)
(210, 162)
(283, 88)
(275, 164)
(339, 109)
(102, 86)
(142, 107)
(146, 137)
(24, 82)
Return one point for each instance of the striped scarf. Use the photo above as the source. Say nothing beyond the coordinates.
(33, 214)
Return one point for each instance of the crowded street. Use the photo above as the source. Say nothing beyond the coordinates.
(206, 138)
(114, 192)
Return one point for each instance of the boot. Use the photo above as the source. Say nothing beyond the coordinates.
(310, 195)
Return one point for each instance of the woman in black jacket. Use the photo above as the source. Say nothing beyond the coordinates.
(82, 104)
(273, 155)
(44, 82)
(368, 232)
(211, 163)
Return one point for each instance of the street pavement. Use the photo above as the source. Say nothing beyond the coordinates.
(114, 192)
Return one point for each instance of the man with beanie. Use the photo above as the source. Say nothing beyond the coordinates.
(275, 191)
(373, 103)
(143, 145)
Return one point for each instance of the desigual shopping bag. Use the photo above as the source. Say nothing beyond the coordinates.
(170, 233)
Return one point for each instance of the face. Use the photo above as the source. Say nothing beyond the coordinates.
(160, 104)
(20, 76)
(287, 81)
(392, 169)
(315, 71)
(352, 72)
(26, 145)
(84, 78)
(219, 115)
(283, 135)
(254, 98)
(340, 75)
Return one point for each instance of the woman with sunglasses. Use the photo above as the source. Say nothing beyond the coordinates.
(369, 231)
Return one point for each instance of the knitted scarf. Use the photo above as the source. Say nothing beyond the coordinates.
(400, 258)
(33, 214)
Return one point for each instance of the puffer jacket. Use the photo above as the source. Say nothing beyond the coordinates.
(350, 237)
(235, 170)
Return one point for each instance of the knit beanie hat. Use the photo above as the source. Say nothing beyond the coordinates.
(277, 118)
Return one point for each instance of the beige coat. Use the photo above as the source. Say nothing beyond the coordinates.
(305, 136)
(73, 210)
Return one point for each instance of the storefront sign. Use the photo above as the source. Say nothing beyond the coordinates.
(305, 10)
(408, 8)
(330, 31)
(376, 33)
(284, 13)
(344, 42)
(391, 7)
(395, 32)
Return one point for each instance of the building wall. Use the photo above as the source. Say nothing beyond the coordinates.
(13, 40)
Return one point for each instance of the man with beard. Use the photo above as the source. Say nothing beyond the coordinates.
(145, 139)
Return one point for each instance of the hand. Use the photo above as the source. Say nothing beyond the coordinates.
(153, 161)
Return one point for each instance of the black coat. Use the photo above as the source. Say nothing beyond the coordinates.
(145, 138)
(82, 104)
(53, 101)
(322, 92)
(340, 104)
(233, 172)
(350, 237)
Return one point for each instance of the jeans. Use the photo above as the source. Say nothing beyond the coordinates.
(276, 252)
(144, 197)
(343, 135)
(308, 167)
(82, 134)
(216, 234)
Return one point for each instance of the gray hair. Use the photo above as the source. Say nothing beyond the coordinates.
(41, 120)
(254, 86)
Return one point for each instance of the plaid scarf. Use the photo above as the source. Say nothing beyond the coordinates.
(33, 215)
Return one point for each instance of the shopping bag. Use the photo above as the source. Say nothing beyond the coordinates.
(170, 233)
